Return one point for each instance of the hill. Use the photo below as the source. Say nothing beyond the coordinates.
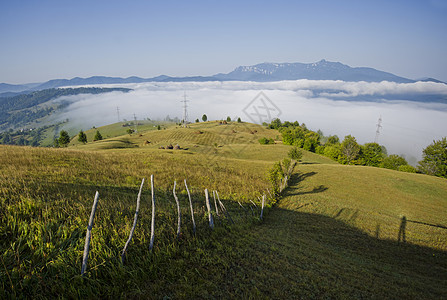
(26, 109)
(332, 235)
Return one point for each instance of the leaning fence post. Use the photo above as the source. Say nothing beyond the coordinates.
(178, 210)
(192, 210)
(208, 206)
(151, 244)
(227, 214)
(215, 203)
(135, 218)
(262, 210)
(89, 233)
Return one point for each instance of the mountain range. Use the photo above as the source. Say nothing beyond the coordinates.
(322, 70)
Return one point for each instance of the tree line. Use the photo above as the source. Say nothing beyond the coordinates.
(350, 152)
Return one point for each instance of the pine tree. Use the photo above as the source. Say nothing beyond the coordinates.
(82, 137)
(64, 139)
(204, 118)
(98, 136)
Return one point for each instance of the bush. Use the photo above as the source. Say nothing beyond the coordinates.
(393, 162)
(407, 168)
(266, 141)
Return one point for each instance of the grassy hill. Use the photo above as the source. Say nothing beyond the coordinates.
(334, 234)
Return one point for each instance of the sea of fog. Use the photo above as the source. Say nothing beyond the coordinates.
(335, 107)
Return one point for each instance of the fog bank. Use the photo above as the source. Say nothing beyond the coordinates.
(407, 126)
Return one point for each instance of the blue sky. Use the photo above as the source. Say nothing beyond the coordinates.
(42, 40)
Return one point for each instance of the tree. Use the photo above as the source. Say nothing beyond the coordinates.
(393, 162)
(129, 131)
(64, 139)
(204, 118)
(98, 136)
(158, 127)
(82, 137)
(434, 160)
(332, 151)
(275, 124)
(333, 140)
(349, 149)
(228, 119)
(197, 121)
(239, 120)
(6, 139)
(371, 154)
(295, 153)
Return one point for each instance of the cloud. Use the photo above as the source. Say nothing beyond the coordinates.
(408, 126)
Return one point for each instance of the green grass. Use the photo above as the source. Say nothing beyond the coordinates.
(333, 234)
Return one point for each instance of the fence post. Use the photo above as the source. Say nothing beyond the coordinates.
(89, 233)
(135, 218)
(215, 203)
(178, 210)
(208, 206)
(227, 214)
(262, 210)
(151, 244)
(192, 210)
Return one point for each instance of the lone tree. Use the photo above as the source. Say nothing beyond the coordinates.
(197, 121)
(239, 120)
(204, 118)
(295, 153)
(349, 149)
(434, 160)
(64, 139)
(228, 119)
(82, 137)
(98, 136)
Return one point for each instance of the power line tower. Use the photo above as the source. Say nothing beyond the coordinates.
(118, 112)
(379, 126)
(185, 111)
(135, 120)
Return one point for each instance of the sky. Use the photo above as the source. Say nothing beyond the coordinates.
(43, 40)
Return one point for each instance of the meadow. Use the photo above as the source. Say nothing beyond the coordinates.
(334, 232)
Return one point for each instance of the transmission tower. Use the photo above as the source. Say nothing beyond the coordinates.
(118, 112)
(185, 111)
(379, 126)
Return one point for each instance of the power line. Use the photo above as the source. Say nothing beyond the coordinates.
(135, 119)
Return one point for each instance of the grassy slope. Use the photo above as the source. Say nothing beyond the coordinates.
(319, 242)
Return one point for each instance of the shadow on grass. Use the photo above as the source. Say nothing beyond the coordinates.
(294, 188)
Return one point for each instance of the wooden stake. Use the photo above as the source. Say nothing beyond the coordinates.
(88, 235)
(135, 218)
(151, 244)
(208, 206)
(178, 210)
(227, 214)
(262, 210)
(215, 203)
(192, 210)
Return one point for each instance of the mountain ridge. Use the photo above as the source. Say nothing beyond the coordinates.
(263, 72)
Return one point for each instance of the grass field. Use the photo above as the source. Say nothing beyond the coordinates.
(333, 234)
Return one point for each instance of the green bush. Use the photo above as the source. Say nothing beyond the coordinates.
(266, 141)
(407, 168)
